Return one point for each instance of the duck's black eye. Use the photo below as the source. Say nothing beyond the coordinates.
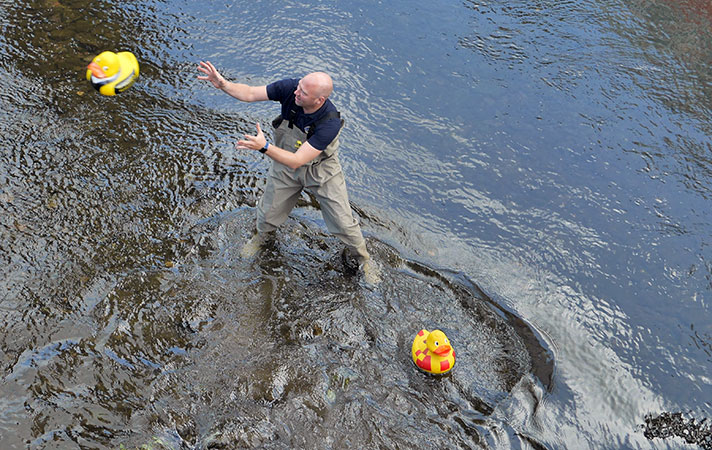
(105, 68)
(436, 343)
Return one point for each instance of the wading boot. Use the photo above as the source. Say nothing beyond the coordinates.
(370, 270)
(255, 243)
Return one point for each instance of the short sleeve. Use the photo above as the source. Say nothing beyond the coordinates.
(279, 91)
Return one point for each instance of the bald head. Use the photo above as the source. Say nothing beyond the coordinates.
(320, 83)
(313, 90)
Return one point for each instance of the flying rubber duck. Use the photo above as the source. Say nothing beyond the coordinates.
(112, 73)
(432, 352)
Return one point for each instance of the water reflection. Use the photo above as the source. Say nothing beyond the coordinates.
(608, 86)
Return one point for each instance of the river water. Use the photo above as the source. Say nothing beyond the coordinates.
(532, 178)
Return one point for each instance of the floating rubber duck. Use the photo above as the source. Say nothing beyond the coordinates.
(112, 73)
(432, 352)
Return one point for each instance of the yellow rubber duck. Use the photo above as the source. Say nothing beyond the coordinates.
(432, 352)
(112, 73)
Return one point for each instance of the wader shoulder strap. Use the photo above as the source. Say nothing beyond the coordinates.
(330, 115)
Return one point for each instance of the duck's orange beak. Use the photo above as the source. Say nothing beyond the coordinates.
(443, 350)
(96, 71)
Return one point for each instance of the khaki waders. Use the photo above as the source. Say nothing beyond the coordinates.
(323, 178)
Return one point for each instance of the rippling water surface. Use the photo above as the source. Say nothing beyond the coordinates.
(533, 178)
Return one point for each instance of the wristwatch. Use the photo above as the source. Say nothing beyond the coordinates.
(264, 149)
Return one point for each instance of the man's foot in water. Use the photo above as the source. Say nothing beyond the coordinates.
(370, 270)
(254, 245)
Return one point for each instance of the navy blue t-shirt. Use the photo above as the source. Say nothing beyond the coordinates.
(283, 91)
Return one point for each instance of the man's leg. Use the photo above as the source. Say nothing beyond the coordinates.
(281, 194)
(340, 221)
(334, 202)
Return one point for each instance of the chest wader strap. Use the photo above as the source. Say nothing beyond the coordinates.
(330, 115)
(329, 150)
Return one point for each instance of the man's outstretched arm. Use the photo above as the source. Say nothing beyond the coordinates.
(240, 91)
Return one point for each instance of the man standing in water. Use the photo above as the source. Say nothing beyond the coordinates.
(304, 156)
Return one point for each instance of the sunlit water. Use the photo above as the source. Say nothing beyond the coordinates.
(533, 179)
